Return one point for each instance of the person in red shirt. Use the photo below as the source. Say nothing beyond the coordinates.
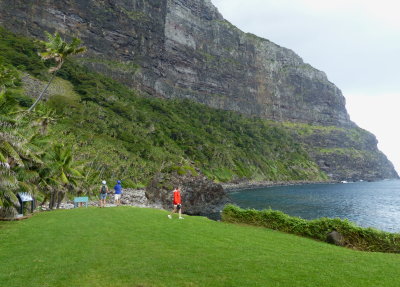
(177, 202)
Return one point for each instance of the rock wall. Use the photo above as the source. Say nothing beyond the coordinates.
(125, 38)
(215, 63)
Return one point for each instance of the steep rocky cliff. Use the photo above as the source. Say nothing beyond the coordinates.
(180, 48)
(185, 49)
(344, 153)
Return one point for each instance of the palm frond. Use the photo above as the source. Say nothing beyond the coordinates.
(64, 178)
(27, 187)
(8, 198)
(24, 175)
(8, 182)
(6, 148)
(75, 172)
(3, 159)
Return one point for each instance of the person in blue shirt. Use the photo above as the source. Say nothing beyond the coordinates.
(117, 193)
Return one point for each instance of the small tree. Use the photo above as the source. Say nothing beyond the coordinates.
(8, 75)
(60, 174)
(19, 157)
(58, 50)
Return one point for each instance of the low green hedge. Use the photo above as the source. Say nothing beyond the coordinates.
(367, 239)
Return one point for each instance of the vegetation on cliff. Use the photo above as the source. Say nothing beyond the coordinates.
(343, 153)
(122, 134)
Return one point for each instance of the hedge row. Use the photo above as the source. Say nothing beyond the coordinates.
(366, 239)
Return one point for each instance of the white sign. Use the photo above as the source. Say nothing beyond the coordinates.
(25, 196)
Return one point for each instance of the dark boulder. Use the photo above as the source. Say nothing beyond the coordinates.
(336, 238)
(200, 196)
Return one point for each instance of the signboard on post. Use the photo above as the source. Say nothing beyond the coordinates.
(25, 197)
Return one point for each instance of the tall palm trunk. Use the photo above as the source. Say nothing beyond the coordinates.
(60, 198)
(44, 200)
(41, 95)
(53, 199)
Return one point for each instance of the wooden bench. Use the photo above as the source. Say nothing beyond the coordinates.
(84, 199)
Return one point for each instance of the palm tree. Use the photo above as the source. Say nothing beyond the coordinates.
(58, 50)
(18, 158)
(9, 157)
(60, 175)
(43, 118)
(8, 186)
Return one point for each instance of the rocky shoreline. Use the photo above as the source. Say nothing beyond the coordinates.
(130, 197)
(231, 187)
(137, 197)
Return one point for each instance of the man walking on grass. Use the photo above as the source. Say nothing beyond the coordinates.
(177, 202)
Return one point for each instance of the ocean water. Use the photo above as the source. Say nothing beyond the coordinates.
(368, 204)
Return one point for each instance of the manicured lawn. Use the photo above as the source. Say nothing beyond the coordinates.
(128, 246)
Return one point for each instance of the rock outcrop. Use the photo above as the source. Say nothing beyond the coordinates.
(186, 49)
(335, 238)
(200, 196)
(345, 153)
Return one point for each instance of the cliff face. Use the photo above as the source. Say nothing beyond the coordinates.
(185, 49)
(345, 153)
(125, 38)
(213, 62)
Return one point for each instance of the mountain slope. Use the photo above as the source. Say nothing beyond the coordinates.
(185, 50)
(122, 134)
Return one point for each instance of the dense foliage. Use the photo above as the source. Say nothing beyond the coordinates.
(367, 239)
(21, 53)
(30, 161)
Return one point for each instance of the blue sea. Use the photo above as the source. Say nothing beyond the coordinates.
(368, 204)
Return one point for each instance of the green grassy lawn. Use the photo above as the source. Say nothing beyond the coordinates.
(128, 246)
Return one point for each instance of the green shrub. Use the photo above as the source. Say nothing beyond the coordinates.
(367, 239)
(21, 52)
(21, 99)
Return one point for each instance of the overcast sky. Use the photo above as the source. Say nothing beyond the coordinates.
(356, 43)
